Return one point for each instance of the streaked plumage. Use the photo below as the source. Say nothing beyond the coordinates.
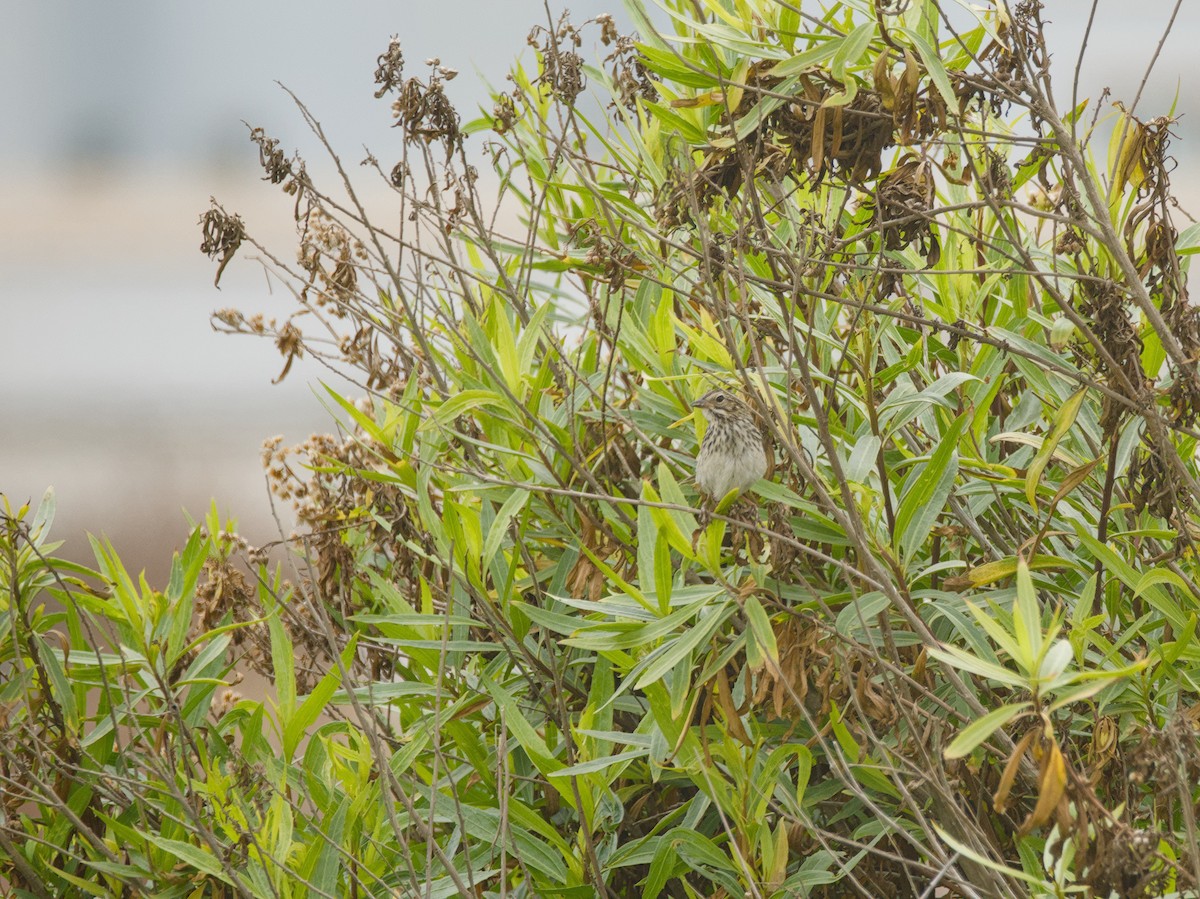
(731, 454)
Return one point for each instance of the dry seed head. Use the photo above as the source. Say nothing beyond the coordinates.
(230, 317)
(390, 68)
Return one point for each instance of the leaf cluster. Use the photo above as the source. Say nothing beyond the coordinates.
(947, 643)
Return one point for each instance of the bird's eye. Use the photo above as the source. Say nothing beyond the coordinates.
(719, 398)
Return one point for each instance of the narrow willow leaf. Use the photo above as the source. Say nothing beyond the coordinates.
(680, 649)
(499, 528)
(919, 510)
(1188, 242)
(1057, 657)
(316, 701)
(1062, 424)
(991, 572)
(363, 421)
(1027, 619)
(600, 764)
(283, 664)
(967, 852)
(850, 50)
(1172, 651)
(1126, 574)
(462, 402)
(198, 858)
(1078, 693)
(807, 59)
(52, 664)
(760, 627)
(862, 460)
(1074, 478)
(959, 658)
(933, 64)
(978, 731)
(1002, 638)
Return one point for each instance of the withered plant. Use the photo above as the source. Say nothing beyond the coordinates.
(946, 646)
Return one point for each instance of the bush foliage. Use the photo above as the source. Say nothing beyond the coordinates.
(946, 646)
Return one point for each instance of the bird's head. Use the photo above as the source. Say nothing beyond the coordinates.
(721, 404)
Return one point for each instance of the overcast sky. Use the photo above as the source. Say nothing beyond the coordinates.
(121, 118)
(133, 81)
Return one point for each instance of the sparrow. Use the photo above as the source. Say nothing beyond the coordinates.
(732, 455)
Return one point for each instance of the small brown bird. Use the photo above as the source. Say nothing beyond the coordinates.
(732, 453)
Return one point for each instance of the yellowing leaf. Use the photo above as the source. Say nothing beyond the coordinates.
(1062, 424)
(1051, 785)
(1009, 775)
(991, 572)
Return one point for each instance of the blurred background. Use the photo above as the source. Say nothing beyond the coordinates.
(121, 120)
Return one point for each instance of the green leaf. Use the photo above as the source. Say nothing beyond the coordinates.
(752, 121)
(770, 776)
(1158, 598)
(181, 591)
(701, 854)
(600, 764)
(960, 658)
(39, 528)
(809, 58)
(363, 421)
(964, 850)
(671, 67)
(531, 334)
(1188, 241)
(1062, 424)
(60, 683)
(675, 122)
(466, 401)
(920, 509)
(528, 738)
(662, 869)
(990, 572)
(978, 731)
(322, 862)
(1002, 638)
(933, 64)
(850, 50)
(1172, 651)
(316, 701)
(760, 628)
(862, 459)
(1081, 692)
(1052, 662)
(647, 540)
(1027, 618)
(282, 660)
(499, 528)
(191, 855)
(664, 570)
(858, 617)
(676, 651)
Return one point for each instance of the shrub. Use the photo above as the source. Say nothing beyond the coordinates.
(946, 644)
